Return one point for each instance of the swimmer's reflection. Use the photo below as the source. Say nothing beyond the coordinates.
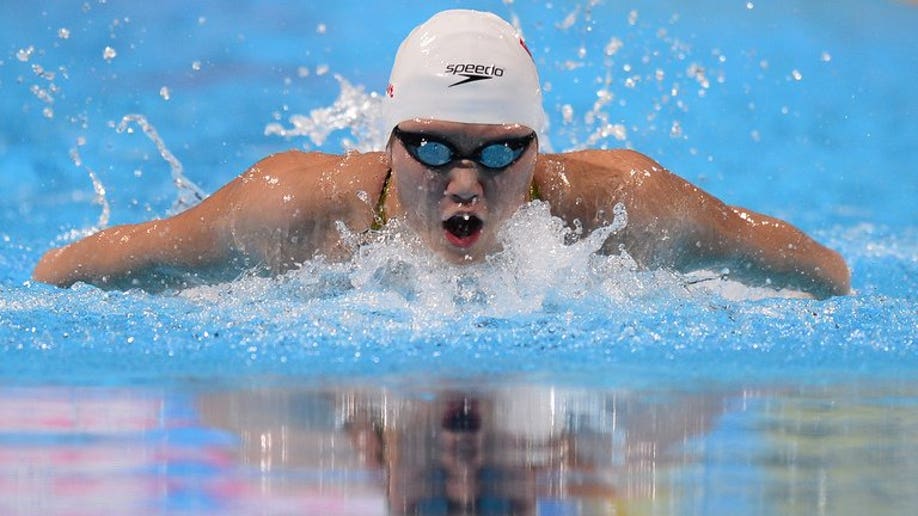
(510, 450)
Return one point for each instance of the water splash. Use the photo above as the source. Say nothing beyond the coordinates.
(543, 265)
(635, 71)
(394, 289)
(188, 193)
(98, 198)
(354, 111)
(46, 91)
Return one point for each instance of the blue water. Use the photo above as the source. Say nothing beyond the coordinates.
(762, 402)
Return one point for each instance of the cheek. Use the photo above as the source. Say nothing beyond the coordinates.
(514, 185)
(416, 190)
(409, 179)
(419, 197)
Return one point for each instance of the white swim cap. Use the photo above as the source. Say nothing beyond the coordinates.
(464, 66)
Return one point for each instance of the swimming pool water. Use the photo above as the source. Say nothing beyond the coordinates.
(549, 381)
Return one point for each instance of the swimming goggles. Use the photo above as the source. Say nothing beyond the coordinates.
(435, 152)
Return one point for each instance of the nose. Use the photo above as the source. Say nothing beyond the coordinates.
(464, 186)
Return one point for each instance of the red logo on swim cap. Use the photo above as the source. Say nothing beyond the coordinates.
(390, 90)
(523, 44)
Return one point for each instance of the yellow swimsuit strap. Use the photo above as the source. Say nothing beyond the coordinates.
(379, 215)
(534, 194)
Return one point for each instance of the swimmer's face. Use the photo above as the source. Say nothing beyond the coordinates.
(457, 183)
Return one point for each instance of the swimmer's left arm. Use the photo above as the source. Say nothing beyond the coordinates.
(691, 230)
(764, 246)
(674, 224)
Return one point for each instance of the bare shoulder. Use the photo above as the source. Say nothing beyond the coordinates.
(288, 206)
(587, 184)
(603, 158)
(615, 174)
(588, 188)
(279, 212)
(309, 184)
(332, 174)
(350, 162)
(675, 224)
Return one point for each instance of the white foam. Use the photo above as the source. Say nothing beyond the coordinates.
(354, 111)
(542, 263)
(544, 267)
(188, 193)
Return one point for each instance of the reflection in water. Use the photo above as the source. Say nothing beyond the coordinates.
(504, 449)
(510, 450)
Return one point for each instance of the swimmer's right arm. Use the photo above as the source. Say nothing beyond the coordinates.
(118, 256)
(277, 214)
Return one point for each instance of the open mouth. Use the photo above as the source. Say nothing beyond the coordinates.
(463, 229)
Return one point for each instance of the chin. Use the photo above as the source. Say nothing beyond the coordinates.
(464, 255)
(460, 258)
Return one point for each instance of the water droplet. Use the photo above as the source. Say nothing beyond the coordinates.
(676, 130)
(24, 54)
(567, 113)
(632, 17)
(613, 46)
(569, 20)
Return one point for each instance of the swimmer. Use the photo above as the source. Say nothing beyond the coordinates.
(463, 107)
